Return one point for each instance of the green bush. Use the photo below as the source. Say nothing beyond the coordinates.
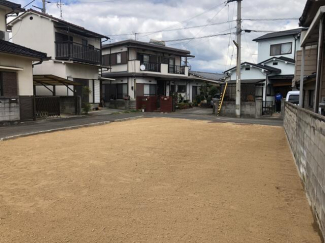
(86, 107)
(182, 106)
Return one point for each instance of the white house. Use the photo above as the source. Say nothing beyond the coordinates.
(147, 69)
(275, 69)
(16, 72)
(75, 52)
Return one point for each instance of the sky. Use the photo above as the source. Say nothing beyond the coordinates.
(120, 19)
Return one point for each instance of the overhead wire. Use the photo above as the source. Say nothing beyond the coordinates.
(187, 20)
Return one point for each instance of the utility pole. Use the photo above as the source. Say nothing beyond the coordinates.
(238, 45)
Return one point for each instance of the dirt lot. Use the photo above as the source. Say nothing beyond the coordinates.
(153, 180)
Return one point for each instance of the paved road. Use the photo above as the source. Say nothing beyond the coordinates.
(30, 128)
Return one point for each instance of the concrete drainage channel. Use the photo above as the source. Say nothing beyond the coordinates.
(68, 128)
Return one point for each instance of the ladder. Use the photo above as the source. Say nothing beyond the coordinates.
(221, 98)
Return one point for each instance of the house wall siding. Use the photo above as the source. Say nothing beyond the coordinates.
(24, 77)
(252, 74)
(3, 20)
(310, 63)
(264, 47)
(306, 135)
(37, 34)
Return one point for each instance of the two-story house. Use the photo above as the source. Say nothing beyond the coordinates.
(274, 71)
(75, 52)
(147, 69)
(310, 66)
(16, 71)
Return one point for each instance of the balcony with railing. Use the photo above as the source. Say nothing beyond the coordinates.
(136, 66)
(150, 67)
(175, 69)
(67, 50)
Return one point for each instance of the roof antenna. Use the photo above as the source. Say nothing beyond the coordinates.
(59, 5)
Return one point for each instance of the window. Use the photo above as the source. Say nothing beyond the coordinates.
(118, 58)
(84, 42)
(247, 68)
(181, 88)
(91, 47)
(311, 97)
(172, 89)
(59, 37)
(275, 63)
(281, 49)
(150, 89)
(122, 90)
(294, 99)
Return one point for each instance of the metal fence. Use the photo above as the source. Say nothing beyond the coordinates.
(47, 106)
(267, 108)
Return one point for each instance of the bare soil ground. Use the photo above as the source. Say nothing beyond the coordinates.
(153, 180)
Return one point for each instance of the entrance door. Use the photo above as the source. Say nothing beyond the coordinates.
(161, 88)
(194, 92)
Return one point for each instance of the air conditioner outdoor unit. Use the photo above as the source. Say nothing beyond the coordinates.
(4, 35)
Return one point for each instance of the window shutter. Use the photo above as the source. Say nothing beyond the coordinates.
(113, 59)
(10, 84)
(124, 57)
(106, 60)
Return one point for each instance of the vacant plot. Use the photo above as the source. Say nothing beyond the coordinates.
(153, 180)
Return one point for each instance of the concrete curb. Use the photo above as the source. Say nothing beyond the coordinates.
(68, 128)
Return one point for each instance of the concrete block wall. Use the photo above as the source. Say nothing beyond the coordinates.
(9, 109)
(306, 134)
(68, 105)
(248, 109)
(121, 104)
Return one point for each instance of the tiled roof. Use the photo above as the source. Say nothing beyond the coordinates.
(60, 21)
(286, 59)
(14, 49)
(145, 44)
(205, 75)
(10, 5)
(279, 34)
(268, 68)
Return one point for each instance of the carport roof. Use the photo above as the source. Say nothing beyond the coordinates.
(52, 80)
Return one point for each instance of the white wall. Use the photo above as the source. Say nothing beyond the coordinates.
(252, 74)
(83, 71)
(286, 68)
(37, 34)
(265, 45)
(25, 77)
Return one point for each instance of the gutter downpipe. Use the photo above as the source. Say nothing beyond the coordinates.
(38, 63)
(302, 75)
(319, 63)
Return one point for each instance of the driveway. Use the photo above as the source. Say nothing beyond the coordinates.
(103, 117)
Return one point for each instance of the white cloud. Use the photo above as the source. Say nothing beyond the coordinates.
(212, 54)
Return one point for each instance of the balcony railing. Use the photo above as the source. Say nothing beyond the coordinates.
(67, 50)
(151, 67)
(176, 69)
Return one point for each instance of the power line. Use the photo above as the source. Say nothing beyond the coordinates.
(206, 26)
(29, 3)
(184, 28)
(277, 19)
(187, 20)
(200, 37)
(199, 26)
